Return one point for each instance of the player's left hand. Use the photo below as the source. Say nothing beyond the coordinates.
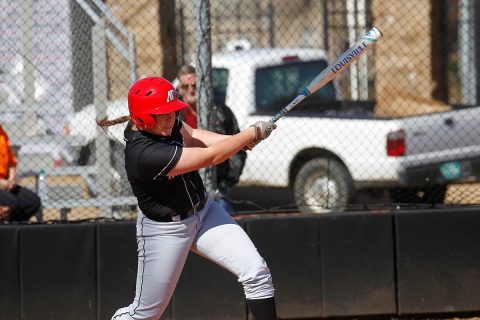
(263, 129)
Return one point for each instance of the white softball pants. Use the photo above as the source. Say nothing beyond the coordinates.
(163, 249)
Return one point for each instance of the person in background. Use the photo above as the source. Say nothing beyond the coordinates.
(16, 203)
(228, 173)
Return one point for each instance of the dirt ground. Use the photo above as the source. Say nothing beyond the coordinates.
(251, 201)
(246, 200)
(467, 194)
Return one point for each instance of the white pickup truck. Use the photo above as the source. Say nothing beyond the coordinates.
(326, 149)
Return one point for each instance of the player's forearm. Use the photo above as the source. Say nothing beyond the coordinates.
(224, 149)
(205, 138)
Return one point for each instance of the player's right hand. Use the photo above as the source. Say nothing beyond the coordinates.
(263, 129)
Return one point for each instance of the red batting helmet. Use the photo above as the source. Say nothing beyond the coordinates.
(153, 95)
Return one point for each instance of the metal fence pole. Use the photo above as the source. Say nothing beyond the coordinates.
(363, 60)
(466, 51)
(473, 44)
(100, 100)
(133, 57)
(271, 25)
(325, 26)
(352, 38)
(28, 48)
(203, 61)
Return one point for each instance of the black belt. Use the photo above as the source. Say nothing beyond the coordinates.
(196, 207)
(182, 216)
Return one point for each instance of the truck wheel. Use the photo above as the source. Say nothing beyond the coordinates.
(323, 184)
(421, 195)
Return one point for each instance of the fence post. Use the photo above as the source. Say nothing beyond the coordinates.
(476, 37)
(467, 57)
(28, 53)
(100, 100)
(168, 38)
(203, 61)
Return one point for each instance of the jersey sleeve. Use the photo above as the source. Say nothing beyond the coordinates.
(157, 161)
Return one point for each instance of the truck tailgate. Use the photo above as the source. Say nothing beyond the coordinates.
(442, 148)
(444, 136)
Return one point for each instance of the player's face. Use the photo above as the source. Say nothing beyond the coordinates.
(163, 124)
(187, 89)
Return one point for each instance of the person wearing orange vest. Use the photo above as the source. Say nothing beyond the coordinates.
(16, 203)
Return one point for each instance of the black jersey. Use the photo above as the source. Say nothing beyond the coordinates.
(148, 158)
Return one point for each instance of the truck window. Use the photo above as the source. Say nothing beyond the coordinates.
(276, 86)
(219, 84)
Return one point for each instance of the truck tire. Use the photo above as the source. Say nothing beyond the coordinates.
(322, 185)
(421, 195)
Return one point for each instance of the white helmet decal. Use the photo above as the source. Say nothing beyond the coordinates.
(170, 95)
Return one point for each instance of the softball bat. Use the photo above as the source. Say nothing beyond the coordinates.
(333, 70)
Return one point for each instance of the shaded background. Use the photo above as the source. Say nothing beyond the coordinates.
(54, 68)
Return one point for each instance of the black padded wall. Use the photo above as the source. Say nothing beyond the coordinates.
(117, 266)
(57, 270)
(358, 272)
(438, 254)
(291, 247)
(406, 263)
(9, 272)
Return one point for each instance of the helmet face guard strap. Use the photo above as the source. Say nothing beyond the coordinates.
(150, 96)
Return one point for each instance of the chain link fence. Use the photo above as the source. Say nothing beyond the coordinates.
(398, 129)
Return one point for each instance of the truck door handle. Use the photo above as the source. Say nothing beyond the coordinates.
(449, 122)
(419, 133)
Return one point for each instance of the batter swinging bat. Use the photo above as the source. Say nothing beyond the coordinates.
(333, 70)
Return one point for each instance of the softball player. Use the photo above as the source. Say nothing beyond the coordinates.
(162, 156)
